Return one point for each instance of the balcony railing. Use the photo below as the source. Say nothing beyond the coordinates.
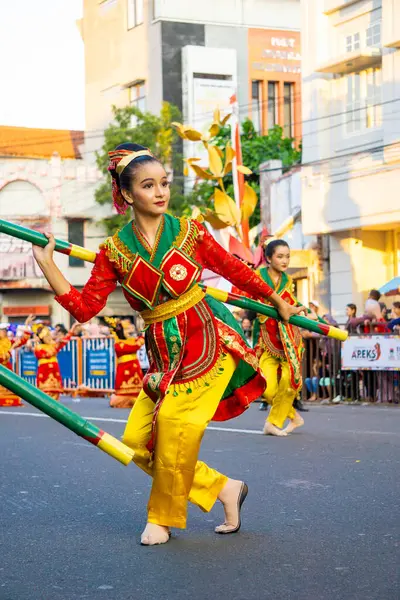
(352, 62)
(331, 6)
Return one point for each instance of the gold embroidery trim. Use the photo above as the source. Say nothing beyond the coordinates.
(118, 252)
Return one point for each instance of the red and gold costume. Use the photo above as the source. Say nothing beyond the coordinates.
(48, 376)
(7, 398)
(279, 348)
(129, 375)
(201, 367)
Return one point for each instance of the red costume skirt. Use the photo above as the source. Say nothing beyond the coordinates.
(7, 398)
(128, 382)
(49, 378)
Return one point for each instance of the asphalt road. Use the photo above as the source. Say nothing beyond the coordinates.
(321, 521)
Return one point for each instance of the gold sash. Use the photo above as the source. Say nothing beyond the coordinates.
(126, 358)
(46, 361)
(174, 307)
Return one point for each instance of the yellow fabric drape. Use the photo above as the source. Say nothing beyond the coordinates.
(177, 474)
(279, 394)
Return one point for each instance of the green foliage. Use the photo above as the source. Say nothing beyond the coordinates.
(256, 149)
(151, 131)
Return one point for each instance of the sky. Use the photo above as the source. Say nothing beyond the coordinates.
(42, 64)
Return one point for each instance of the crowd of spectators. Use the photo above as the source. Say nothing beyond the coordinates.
(376, 317)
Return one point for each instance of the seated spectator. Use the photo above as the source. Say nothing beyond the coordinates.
(330, 320)
(372, 320)
(384, 310)
(394, 323)
(246, 326)
(372, 303)
(314, 307)
(351, 312)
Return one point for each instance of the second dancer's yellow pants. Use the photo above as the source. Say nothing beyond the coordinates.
(279, 393)
(177, 474)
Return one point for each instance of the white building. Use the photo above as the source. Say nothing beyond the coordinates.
(281, 210)
(45, 185)
(351, 140)
(193, 55)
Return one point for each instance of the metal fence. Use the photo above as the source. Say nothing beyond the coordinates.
(324, 378)
(85, 364)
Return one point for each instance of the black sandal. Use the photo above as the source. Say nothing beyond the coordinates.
(242, 497)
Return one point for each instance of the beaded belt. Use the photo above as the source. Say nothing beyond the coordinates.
(126, 358)
(46, 361)
(174, 307)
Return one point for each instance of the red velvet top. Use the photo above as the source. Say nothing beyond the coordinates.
(105, 275)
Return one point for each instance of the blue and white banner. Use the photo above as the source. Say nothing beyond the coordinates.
(375, 352)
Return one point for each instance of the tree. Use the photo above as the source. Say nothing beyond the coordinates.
(256, 149)
(153, 132)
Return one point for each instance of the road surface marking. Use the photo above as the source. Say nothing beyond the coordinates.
(112, 420)
(211, 428)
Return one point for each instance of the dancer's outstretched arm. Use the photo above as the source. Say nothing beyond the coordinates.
(217, 259)
(89, 302)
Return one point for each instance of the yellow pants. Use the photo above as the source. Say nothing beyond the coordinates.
(177, 474)
(279, 394)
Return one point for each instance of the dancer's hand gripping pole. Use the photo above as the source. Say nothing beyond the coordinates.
(65, 416)
(264, 309)
(39, 239)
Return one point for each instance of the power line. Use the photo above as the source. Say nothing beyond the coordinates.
(337, 157)
(88, 136)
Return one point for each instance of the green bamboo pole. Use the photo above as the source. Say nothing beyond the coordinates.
(65, 416)
(39, 239)
(269, 311)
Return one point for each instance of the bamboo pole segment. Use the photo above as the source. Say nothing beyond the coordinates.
(39, 239)
(269, 311)
(65, 416)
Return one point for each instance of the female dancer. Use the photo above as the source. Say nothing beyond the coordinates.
(279, 346)
(48, 378)
(129, 376)
(7, 398)
(200, 366)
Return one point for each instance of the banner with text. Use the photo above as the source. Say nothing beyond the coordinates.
(379, 353)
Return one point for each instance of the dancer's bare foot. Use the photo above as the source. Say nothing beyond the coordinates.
(270, 429)
(298, 421)
(232, 497)
(155, 534)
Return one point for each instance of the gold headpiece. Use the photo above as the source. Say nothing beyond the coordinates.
(124, 162)
(40, 330)
(111, 321)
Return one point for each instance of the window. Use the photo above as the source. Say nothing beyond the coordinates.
(135, 13)
(373, 34)
(353, 42)
(288, 109)
(363, 105)
(137, 95)
(374, 98)
(353, 104)
(76, 236)
(272, 104)
(256, 105)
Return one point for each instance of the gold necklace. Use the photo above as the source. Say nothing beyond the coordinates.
(143, 240)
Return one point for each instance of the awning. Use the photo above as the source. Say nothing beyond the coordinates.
(25, 311)
(351, 62)
(391, 288)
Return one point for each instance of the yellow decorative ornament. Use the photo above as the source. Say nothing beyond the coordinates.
(178, 272)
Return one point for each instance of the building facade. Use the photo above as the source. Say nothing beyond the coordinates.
(46, 185)
(351, 141)
(195, 56)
